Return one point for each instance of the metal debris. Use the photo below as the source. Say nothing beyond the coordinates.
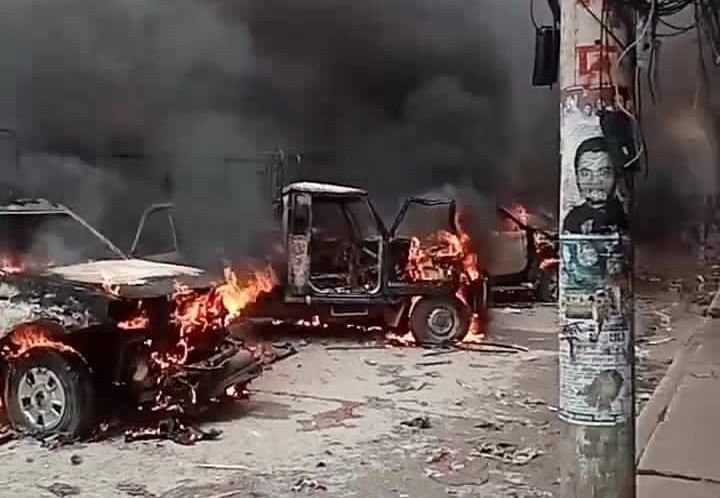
(174, 430)
(432, 363)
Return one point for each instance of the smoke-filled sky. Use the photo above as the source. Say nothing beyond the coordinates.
(408, 95)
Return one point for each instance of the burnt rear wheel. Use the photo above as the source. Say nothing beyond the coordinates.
(50, 392)
(437, 320)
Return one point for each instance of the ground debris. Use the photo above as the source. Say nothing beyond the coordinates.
(307, 484)
(493, 347)
(6, 434)
(705, 375)
(422, 422)
(509, 453)
(490, 425)
(355, 347)
(61, 489)
(663, 340)
(272, 353)
(174, 430)
(57, 440)
(439, 351)
(433, 363)
(133, 489)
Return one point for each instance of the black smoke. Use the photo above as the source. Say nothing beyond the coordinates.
(121, 102)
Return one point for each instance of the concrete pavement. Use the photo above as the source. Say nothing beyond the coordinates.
(333, 423)
(681, 457)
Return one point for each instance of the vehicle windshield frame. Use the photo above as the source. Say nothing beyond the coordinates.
(63, 211)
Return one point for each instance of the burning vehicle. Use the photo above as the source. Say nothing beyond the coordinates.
(338, 263)
(81, 321)
(523, 256)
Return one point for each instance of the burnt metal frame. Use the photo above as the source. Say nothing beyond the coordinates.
(388, 292)
(141, 225)
(532, 262)
(53, 209)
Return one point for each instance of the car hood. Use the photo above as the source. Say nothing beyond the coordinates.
(123, 272)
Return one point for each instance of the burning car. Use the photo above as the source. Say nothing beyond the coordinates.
(339, 263)
(524, 254)
(81, 320)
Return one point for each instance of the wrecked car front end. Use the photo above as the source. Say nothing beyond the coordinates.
(80, 337)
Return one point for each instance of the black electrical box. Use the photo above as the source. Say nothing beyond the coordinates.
(547, 56)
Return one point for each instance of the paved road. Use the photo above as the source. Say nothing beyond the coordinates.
(333, 419)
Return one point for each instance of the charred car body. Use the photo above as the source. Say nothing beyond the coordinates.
(523, 256)
(339, 263)
(80, 319)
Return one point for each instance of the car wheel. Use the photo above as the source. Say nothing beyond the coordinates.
(547, 287)
(438, 320)
(48, 392)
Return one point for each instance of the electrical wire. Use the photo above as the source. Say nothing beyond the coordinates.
(532, 15)
(607, 29)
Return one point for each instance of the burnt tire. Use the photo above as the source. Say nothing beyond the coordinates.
(439, 320)
(48, 392)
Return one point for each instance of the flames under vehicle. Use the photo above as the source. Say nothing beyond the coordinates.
(81, 320)
(338, 263)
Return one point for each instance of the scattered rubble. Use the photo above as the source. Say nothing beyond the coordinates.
(422, 422)
(133, 489)
(509, 453)
(61, 490)
(174, 430)
(306, 484)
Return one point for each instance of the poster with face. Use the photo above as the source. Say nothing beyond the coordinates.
(593, 200)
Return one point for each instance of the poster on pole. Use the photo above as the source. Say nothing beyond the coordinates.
(595, 341)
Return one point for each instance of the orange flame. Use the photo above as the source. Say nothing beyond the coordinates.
(199, 312)
(236, 295)
(436, 258)
(31, 336)
(11, 265)
(137, 322)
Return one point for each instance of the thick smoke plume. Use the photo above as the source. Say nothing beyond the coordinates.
(404, 95)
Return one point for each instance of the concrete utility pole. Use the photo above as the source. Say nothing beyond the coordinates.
(599, 152)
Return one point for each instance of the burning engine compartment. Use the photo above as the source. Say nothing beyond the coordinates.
(83, 336)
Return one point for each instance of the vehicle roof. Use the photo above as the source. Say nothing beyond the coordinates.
(322, 188)
(33, 206)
